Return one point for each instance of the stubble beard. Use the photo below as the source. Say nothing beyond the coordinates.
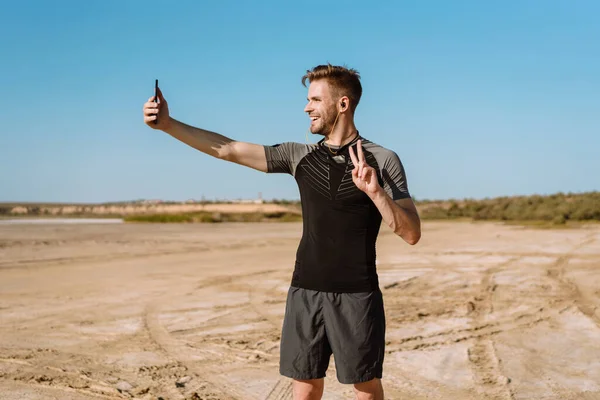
(324, 126)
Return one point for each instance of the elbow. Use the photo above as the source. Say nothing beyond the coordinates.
(225, 152)
(411, 237)
(223, 155)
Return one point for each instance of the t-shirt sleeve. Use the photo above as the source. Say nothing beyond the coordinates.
(283, 157)
(394, 177)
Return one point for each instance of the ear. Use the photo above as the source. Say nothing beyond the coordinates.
(344, 104)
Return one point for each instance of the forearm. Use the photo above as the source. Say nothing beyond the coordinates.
(405, 223)
(205, 141)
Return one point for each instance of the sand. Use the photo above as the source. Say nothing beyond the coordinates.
(149, 311)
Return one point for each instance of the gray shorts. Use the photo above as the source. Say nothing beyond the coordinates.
(349, 325)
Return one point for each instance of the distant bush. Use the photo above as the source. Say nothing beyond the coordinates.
(283, 217)
(34, 210)
(205, 217)
(159, 218)
(557, 209)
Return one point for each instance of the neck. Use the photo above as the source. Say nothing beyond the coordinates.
(343, 133)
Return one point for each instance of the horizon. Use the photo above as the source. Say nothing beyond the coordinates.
(478, 100)
(239, 199)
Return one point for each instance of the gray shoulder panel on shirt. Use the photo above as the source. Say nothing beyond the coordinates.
(284, 157)
(391, 169)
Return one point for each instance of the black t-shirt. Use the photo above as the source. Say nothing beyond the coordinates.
(340, 222)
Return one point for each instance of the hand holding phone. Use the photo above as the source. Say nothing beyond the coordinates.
(155, 106)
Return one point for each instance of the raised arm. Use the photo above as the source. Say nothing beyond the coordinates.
(156, 116)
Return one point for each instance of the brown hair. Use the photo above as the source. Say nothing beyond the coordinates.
(344, 81)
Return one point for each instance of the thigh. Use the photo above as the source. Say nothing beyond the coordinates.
(355, 326)
(304, 351)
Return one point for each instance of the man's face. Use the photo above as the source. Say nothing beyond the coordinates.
(321, 107)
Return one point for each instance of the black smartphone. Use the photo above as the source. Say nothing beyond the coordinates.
(156, 97)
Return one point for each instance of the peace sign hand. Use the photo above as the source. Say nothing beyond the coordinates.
(363, 176)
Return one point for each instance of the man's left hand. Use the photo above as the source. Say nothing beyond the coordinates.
(363, 175)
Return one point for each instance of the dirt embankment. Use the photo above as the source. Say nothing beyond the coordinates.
(142, 209)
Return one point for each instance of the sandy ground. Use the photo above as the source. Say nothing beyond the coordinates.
(118, 311)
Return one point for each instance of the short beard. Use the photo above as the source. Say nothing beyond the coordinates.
(327, 122)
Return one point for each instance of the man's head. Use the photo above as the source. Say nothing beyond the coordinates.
(333, 90)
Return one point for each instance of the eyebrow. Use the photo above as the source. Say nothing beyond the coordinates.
(314, 98)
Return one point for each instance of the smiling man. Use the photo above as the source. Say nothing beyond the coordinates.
(348, 185)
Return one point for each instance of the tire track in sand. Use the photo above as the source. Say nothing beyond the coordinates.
(53, 378)
(584, 303)
(475, 330)
(486, 365)
(282, 389)
(177, 353)
(451, 336)
(208, 366)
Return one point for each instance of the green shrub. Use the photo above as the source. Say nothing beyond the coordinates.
(205, 217)
(553, 209)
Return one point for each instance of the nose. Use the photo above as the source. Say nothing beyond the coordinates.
(308, 108)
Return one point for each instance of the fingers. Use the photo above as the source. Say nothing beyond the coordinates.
(363, 175)
(152, 100)
(149, 118)
(355, 174)
(160, 99)
(363, 172)
(156, 111)
(150, 108)
(353, 157)
(361, 156)
(153, 107)
(359, 167)
(360, 159)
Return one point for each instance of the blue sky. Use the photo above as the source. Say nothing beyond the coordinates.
(479, 99)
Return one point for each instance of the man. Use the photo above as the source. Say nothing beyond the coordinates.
(347, 184)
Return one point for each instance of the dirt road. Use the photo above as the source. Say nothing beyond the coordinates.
(119, 311)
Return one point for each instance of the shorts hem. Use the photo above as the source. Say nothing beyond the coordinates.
(362, 379)
(302, 377)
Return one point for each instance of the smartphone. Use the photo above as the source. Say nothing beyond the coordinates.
(156, 97)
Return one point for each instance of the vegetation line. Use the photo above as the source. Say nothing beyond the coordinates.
(540, 211)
